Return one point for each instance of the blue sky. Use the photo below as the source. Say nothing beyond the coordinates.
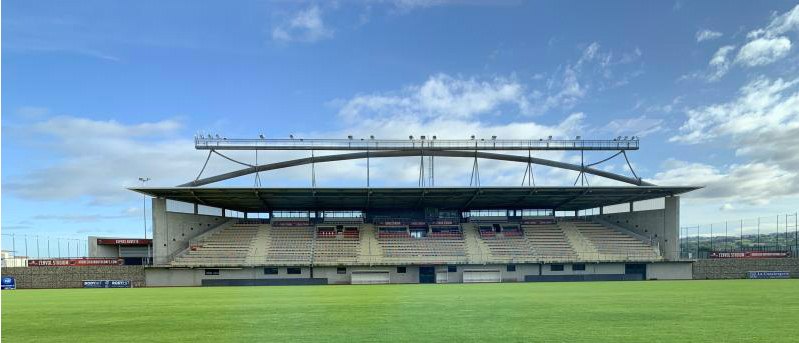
(97, 94)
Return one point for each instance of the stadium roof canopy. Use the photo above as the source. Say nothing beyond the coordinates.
(460, 198)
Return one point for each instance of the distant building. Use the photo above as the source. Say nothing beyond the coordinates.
(132, 250)
(9, 260)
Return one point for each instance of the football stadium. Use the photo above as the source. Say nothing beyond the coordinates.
(399, 171)
(426, 234)
(502, 261)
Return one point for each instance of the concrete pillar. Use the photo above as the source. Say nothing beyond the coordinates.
(160, 231)
(196, 208)
(670, 237)
(631, 207)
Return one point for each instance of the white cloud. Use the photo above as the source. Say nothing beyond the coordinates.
(705, 35)
(304, 26)
(764, 46)
(442, 96)
(595, 70)
(762, 126)
(639, 126)
(753, 183)
(763, 51)
(763, 106)
(720, 62)
(781, 24)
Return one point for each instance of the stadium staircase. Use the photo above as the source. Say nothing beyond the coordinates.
(261, 246)
(370, 249)
(476, 250)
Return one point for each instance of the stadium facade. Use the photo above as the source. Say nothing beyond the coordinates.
(425, 234)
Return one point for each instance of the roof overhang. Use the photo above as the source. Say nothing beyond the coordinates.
(451, 198)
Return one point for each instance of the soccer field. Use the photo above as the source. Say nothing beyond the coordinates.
(679, 311)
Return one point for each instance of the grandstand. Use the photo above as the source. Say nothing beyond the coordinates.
(262, 236)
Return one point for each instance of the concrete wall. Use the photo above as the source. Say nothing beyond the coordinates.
(172, 231)
(662, 225)
(195, 277)
(96, 250)
(736, 268)
(161, 277)
(669, 271)
(72, 277)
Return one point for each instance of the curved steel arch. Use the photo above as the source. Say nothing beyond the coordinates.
(414, 153)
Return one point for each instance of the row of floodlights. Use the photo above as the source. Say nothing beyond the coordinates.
(261, 136)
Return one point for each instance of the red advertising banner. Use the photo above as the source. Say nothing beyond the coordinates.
(749, 254)
(74, 262)
(123, 241)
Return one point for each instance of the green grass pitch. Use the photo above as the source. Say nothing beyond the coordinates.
(654, 311)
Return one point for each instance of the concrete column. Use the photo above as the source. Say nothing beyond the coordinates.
(196, 208)
(670, 237)
(160, 231)
(631, 207)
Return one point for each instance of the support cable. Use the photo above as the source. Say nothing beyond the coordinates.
(232, 160)
(475, 179)
(204, 165)
(257, 182)
(605, 160)
(629, 165)
(528, 172)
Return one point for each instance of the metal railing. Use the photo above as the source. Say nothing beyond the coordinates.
(204, 143)
(775, 233)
